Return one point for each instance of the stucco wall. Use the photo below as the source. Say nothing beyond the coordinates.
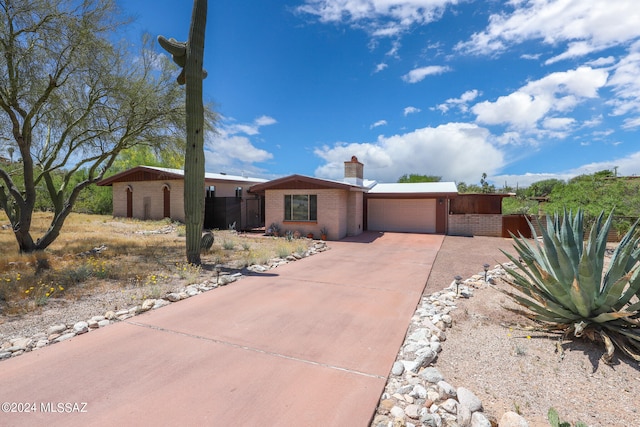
(332, 212)
(475, 225)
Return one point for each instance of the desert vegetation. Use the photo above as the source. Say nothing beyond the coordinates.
(98, 253)
(563, 283)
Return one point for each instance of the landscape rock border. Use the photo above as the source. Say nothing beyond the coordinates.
(416, 393)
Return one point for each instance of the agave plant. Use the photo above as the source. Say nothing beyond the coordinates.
(561, 282)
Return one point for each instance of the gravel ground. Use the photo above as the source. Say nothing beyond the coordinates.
(514, 369)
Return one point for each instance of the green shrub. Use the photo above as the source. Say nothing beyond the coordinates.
(554, 420)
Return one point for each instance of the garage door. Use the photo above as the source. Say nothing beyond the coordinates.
(402, 215)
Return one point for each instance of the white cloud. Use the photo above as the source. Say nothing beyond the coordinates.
(418, 74)
(460, 102)
(230, 149)
(558, 123)
(411, 110)
(451, 150)
(556, 92)
(381, 66)
(378, 123)
(248, 128)
(626, 166)
(625, 82)
(602, 62)
(380, 18)
(586, 26)
(265, 121)
(531, 56)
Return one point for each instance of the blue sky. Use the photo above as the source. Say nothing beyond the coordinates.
(522, 90)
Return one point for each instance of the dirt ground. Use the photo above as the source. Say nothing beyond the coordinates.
(511, 368)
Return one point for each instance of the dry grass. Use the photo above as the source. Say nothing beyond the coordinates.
(149, 255)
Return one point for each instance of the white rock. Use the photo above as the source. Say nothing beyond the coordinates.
(412, 411)
(425, 359)
(147, 304)
(408, 365)
(447, 390)
(479, 420)
(463, 416)
(397, 369)
(397, 412)
(173, 297)
(421, 334)
(65, 337)
(56, 329)
(103, 323)
(81, 327)
(21, 343)
(512, 419)
(419, 391)
(191, 291)
(450, 405)
(92, 324)
(97, 318)
(431, 420)
(160, 303)
(431, 375)
(468, 399)
(433, 395)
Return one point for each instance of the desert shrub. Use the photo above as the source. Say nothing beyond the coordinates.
(561, 282)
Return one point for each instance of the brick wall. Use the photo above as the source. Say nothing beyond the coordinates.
(355, 208)
(152, 191)
(475, 225)
(332, 212)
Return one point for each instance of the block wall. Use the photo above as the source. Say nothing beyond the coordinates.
(475, 225)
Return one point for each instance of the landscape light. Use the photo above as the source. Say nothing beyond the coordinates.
(458, 280)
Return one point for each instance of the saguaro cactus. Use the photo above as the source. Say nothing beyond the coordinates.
(189, 55)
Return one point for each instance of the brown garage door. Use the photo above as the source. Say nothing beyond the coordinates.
(402, 215)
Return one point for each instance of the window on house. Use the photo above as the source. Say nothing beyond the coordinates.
(239, 192)
(211, 192)
(300, 207)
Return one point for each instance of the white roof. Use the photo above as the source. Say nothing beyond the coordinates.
(415, 187)
(209, 175)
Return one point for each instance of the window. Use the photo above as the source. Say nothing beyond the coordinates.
(211, 192)
(239, 192)
(300, 207)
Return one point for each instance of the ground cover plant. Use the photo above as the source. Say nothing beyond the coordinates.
(562, 282)
(97, 253)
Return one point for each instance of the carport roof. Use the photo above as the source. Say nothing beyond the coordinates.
(423, 188)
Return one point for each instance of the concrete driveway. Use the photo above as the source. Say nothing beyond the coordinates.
(307, 344)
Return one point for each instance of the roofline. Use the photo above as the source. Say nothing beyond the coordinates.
(116, 177)
(258, 188)
(449, 195)
(172, 173)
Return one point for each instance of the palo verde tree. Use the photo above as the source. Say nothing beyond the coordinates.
(190, 55)
(71, 100)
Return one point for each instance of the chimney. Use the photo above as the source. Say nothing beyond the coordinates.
(353, 171)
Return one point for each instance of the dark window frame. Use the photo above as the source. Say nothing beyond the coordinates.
(301, 207)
